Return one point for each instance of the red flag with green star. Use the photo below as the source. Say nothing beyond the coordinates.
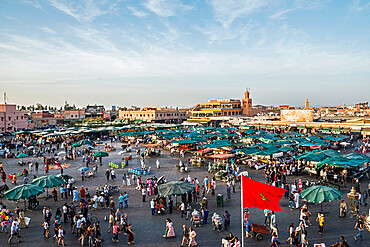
(260, 195)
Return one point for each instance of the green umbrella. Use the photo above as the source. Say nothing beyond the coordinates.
(22, 155)
(320, 194)
(101, 154)
(23, 191)
(48, 181)
(76, 145)
(175, 188)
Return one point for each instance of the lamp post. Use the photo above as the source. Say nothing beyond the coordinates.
(352, 198)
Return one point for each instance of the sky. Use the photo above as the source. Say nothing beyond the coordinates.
(183, 52)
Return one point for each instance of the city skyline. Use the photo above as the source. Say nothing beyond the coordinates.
(179, 53)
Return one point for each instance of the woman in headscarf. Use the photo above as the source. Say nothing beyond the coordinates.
(170, 232)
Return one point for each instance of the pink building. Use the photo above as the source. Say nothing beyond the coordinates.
(12, 120)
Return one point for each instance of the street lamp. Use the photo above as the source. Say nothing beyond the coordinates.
(352, 198)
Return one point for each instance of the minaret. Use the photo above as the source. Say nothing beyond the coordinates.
(247, 104)
(307, 105)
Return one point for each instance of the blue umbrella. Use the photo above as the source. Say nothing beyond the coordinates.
(83, 168)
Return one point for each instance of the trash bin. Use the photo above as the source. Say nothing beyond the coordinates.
(220, 200)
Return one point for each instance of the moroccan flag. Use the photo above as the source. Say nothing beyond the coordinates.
(260, 195)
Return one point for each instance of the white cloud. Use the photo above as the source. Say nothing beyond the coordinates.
(48, 30)
(136, 12)
(34, 3)
(359, 6)
(226, 12)
(85, 10)
(166, 8)
(300, 5)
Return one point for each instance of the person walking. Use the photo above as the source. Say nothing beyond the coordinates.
(228, 190)
(226, 220)
(170, 232)
(185, 236)
(182, 208)
(152, 206)
(115, 232)
(170, 204)
(107, 174)
(120, 201)
(342, 209)
(143, 193)
(14, 232)
(360, 227)
(46, 227)
(130, 235)
(192, 235)
(55, 194)
(320, 218)
(125, 199)
(60, 235)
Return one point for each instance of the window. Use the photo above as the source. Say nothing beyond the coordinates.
(10, 118)
(2, 118)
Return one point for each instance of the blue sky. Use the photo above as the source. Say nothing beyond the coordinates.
(179, 53)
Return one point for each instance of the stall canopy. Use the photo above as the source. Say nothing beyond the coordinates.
(318, 156)
(342, 161)
(184, 142)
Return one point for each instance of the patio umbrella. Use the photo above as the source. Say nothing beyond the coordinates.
(76, 145)
(22, 155)
(83, 168)
(23, 191)
(320, 194)
(101, 154)
(48, 181)
(175, 188)
(62, 153)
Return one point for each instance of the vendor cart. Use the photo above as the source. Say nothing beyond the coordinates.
(259, 231)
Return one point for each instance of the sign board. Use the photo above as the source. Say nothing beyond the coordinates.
(297, 115)
(277, 155)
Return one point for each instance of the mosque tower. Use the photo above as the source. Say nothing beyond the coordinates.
(247, 104)
(307, 105)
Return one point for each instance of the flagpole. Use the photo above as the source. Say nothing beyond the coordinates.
(241, 206)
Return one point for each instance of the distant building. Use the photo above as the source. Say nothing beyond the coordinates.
(46, 118)
(75, 115)
(153, 114)
(96, 111)
(12, 120)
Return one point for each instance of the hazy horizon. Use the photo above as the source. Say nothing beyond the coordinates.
(180, 53)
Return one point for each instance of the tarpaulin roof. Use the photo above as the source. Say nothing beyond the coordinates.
(316, 139)
(342, 161)
(334, 138)
(184, 142)
(218, 144)
(286, 149)
(318, 156)
(249, 150)
(357, 156)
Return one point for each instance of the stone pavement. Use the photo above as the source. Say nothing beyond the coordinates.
(149, 229)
